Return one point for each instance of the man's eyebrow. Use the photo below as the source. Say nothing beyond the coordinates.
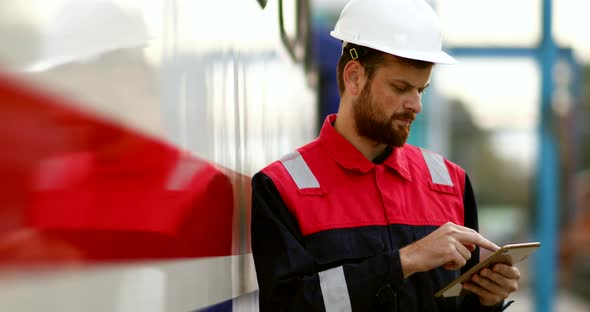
(407, 84)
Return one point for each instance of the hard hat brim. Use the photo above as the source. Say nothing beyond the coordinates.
(439, 57)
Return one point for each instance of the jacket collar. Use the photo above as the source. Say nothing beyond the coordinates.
(347, 156)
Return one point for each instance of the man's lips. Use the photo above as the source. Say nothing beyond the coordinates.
(405, 119)
(404, 122)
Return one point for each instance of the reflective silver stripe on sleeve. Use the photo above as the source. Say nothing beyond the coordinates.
(334, 290)
(437, 167)
(299, 171)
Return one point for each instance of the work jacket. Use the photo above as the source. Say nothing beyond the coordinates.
(328, 224)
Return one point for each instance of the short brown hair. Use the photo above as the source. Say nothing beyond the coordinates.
(370, 59)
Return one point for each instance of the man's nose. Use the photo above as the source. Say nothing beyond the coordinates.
(414, 102)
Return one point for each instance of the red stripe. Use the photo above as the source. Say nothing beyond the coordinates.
(77, 188)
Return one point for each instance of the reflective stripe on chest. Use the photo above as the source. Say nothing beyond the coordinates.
(299, 171)
(304, 177)
(437, 168)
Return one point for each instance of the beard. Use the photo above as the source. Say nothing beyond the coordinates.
(375, 125)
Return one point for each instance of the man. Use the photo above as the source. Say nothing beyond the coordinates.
(357, 220)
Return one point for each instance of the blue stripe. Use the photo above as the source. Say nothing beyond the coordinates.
(225, 306)
(245, 303)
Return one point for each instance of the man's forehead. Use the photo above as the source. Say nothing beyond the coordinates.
(399, 69)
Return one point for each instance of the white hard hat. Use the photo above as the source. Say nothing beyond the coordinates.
(405, 28)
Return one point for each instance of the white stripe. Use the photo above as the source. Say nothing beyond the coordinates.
(437, 167)
(162, 286)
(334, 290)
(141, 289)
(299, 171)
(246, 303)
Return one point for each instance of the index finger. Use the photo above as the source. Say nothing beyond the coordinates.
(477, 239)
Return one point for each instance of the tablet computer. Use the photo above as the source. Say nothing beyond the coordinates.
(509, 254)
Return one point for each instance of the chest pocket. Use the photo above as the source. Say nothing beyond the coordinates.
(442, 202)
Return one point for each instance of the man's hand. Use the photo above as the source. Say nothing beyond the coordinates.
(495, 284)
(449, 246)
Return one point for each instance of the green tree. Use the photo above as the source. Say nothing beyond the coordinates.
(497, 181)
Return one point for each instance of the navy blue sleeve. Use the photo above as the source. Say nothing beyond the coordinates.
(288, 276)
(471, 302)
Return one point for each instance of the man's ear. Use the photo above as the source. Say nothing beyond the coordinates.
(354, 77)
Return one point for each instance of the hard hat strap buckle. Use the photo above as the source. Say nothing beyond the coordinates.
(353, 54)
(356, 51)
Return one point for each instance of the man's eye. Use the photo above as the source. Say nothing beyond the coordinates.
(401, 90)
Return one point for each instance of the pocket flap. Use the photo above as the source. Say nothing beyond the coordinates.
(315, 191)
(442, 188)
